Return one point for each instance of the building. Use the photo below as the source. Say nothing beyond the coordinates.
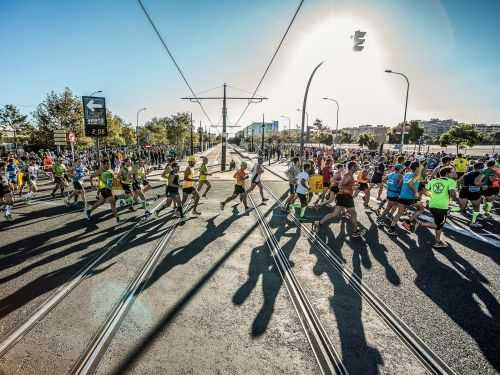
(435, 127)
(379, 131)
(487, 130)
(270, 128)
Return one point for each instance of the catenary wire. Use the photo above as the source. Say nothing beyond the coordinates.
(173, 60)
(270, 62)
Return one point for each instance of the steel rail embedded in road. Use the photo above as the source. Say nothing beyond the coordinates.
(12, 338)
(90, 359)
(41, 311)
(327, 357)
(426, 356)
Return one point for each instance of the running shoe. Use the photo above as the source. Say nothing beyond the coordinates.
(118, 219)
(356, 234)
(415, 226)
(475, 225)
(440, 245)
(222, 205)
(380, 221)
(88, 214)
(391, 231)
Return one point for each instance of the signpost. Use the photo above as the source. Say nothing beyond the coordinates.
(94, 114)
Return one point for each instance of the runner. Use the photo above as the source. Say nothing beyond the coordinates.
(78, 173)
(125, 176)
(377, 177)
(140, 184)
(303, 190)
(440, 189)
(257, 171)
(11, 171)
(172, 191)
(203, 180)
(345, 202)
(239, 188)
(187, 186)
(393, 181)
(6, 198)
(460, 164)
(489, 180)
(363, 185)
(407, 198)
(105, 178)
(470, 192)
(326, 173)
(58, 170)
(33, 170)
(292, 173)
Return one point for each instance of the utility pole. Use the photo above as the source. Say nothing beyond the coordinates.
(252, 141)
(192, 145)
(263, 128)
(200, 132)
(224, 99)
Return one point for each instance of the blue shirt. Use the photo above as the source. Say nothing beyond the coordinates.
(11, 171)
(393, 185)
(406, 191)
(79, 173)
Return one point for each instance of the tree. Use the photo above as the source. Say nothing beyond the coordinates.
(445, 140)
(415, 132)
(367, 139)
(319, 125)
(12, 119)
(345, 137)
(495, 139)
(57, 111)
(463, 135)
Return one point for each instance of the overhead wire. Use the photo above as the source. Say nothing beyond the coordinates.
(173, 60)
(271, 62)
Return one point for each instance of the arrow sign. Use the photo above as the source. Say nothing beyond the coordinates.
(94, 113)
(92, 106)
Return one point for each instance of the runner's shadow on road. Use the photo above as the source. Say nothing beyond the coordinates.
(262, 264)
(54, 279)
(357, 356)
(459, 292)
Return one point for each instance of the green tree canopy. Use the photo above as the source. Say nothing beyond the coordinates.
(12, 119)
(462, 135)
(368, 140)
(415, 132)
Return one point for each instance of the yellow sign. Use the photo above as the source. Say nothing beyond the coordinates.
(316, 183)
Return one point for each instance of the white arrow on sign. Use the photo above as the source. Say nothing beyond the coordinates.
(92, 106)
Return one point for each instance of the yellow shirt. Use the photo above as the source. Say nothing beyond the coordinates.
(461, 165)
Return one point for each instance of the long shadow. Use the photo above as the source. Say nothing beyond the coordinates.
(357, 356)
(262, 263)
(144, 345)
(183, 255)
(54, 279)
(459, 292)
(379, 252)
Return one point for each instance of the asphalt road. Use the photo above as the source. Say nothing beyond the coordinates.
(215, 302)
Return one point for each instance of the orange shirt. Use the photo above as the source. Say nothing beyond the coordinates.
(363, 177)
(240, 177)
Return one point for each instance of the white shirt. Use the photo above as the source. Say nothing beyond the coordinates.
(301, 189)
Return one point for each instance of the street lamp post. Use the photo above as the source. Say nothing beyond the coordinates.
(406, 104)
(289, 126)
(96, 92)
(307, 120)
(263, 128)
(137, 128)
(337, 125)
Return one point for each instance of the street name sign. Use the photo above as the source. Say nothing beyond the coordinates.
(60, 137)
(94, 114)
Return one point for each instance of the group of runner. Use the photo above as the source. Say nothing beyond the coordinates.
(411, 187)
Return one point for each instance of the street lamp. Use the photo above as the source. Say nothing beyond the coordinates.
(96, 92)
(406, 104)
(137, 128)
(337, 126)
(289, 125)
(307, 122)
(304, 112)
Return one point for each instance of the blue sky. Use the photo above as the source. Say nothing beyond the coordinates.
(449, 48)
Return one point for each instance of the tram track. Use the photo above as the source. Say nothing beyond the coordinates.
(10, 340)
(432, 363)
(328, 358)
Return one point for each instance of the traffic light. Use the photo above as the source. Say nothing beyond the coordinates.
(359, 39)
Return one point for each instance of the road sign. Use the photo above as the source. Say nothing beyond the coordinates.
(71, 137)
(60, 137)
(94, 113)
